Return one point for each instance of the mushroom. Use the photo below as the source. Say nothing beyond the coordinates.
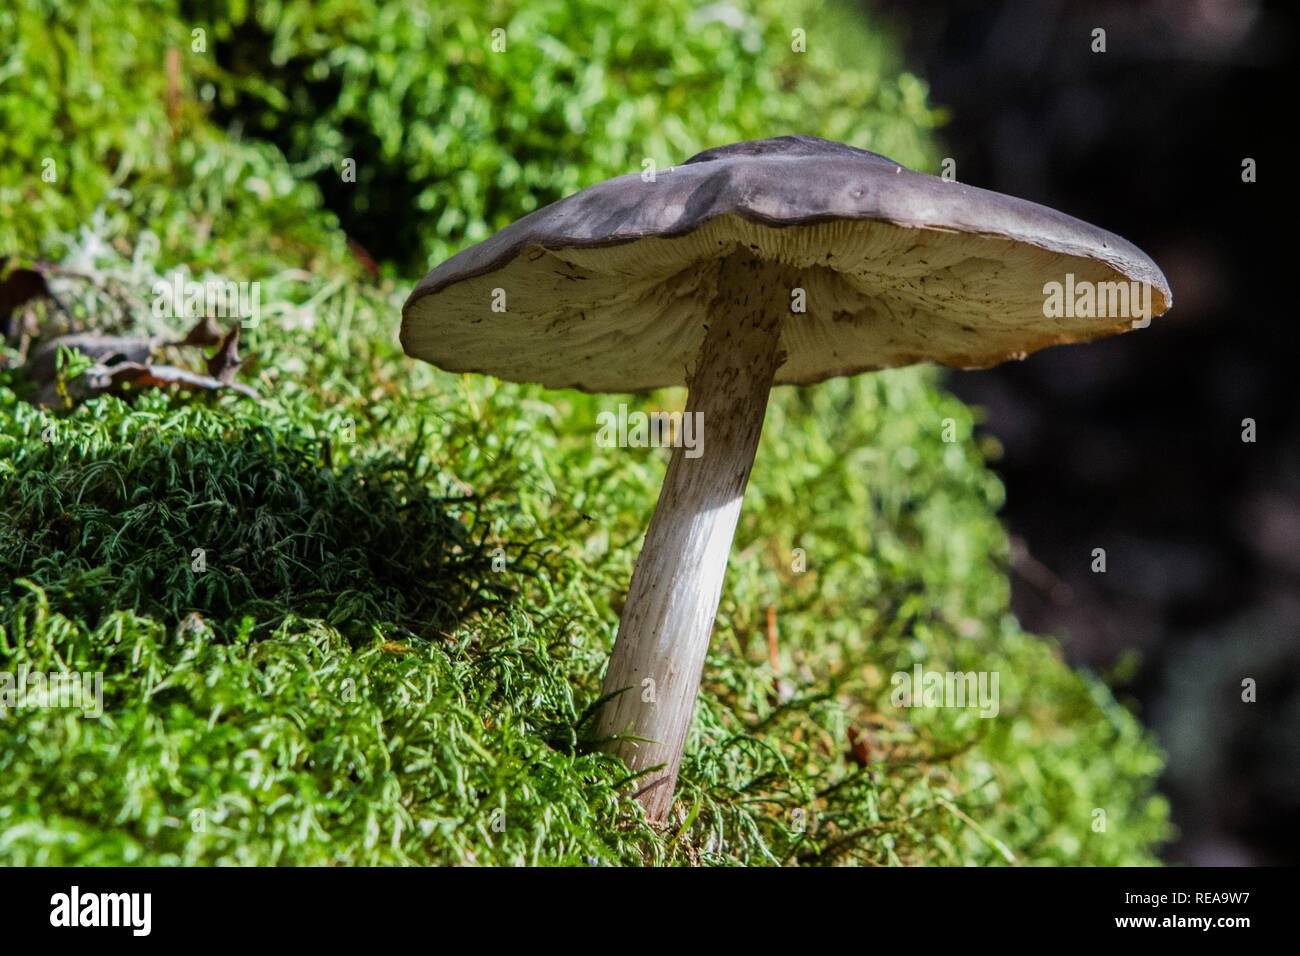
(782, 261)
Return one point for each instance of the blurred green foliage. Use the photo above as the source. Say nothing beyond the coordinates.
(351, 680)
(85, 126)
(458, 129)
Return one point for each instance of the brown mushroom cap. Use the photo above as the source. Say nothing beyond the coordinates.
(608, 290)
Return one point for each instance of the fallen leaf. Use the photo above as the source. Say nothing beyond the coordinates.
(42, 366)
(124, 360)
(205, 332)
(143, 376)
(17, 288)
(859, 749)
(225, 362)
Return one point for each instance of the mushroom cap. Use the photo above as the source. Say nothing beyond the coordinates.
(609, 289)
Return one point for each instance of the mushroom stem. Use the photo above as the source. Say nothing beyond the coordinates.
(664, 632)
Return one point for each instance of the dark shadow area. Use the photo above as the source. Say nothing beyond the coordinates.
(255, 523)
(1135, 444)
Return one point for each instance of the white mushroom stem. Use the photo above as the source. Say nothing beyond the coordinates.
(663, 636)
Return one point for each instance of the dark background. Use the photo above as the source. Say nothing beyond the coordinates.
(1134, 444)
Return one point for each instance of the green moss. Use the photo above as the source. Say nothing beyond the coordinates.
(908, 572)
(355, 676)
(228, 514)
(474, 128)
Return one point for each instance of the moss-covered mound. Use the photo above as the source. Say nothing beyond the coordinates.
(364, 620)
